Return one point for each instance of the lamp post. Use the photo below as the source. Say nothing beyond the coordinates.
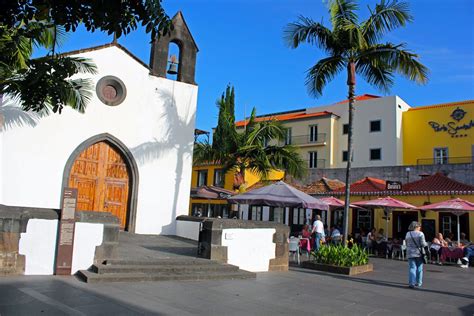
(408, 174)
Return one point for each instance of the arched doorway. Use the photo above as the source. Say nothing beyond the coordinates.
(105, 175)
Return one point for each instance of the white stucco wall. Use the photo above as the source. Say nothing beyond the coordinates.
(87, 236)
(188, 229)
(156, 123)
(388, 139)
(38, 245)
(249, 249)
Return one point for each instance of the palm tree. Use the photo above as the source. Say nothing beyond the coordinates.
(43, 84)
(239, 151)
(356, 46)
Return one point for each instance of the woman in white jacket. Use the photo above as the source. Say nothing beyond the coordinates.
(415, 241)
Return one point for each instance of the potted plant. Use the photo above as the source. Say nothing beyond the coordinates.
(340, 259)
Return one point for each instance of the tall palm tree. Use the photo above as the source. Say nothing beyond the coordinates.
(356, 47)
(238, 151)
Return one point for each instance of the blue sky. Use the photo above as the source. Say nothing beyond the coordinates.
(241, 43)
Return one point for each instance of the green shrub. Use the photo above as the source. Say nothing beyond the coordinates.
(341, 255)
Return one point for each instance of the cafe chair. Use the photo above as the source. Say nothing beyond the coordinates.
(294, 248)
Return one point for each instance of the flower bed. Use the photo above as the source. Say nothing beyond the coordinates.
(340, 259)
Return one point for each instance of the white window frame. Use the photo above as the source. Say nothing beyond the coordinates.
(288, 135)
(312, 159)
(203, 171)
(313, 133)
(219, 172)
(440, 159)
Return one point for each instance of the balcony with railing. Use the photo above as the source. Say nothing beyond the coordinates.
(307, 140)
(445, 160)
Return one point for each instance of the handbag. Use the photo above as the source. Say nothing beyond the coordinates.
(424, 256)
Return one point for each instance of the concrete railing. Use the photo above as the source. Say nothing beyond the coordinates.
(28, 240)
(250, 245)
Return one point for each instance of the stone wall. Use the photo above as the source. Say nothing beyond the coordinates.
(218, 235)
(14, 223)
(460, 172)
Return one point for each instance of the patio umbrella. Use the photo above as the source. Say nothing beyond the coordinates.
(210, 193)
(387, 204)
(334, 203)
(279, 194)
(456, 206)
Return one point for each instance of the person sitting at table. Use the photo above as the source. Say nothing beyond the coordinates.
(336, 236)
(468, 253)
(435, 248)
(306, 236)
(381, 242)
(464, 240)
(450, 239)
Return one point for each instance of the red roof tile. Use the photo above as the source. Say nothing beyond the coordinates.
(361, 98)
(367, 184)
(437, 182)
(285, 117)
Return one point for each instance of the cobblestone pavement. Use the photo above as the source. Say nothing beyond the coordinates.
(446, 290)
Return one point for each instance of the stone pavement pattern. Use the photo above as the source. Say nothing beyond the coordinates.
(447, 290)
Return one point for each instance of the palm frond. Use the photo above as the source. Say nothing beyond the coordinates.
(398, 59)
(376, 72)
(311, 32)
(343, 13)
(320, 74)
(83, 65)
(387, 16)
(265, 131)
(287, 158)
(78, 93)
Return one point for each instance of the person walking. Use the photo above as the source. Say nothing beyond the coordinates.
(415, 241)
(318, 230)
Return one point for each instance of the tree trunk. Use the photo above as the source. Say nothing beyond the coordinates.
(351, 83)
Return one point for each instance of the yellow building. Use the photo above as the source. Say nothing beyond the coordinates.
(212, 176)
(427, 190)
(314, 135)
(439, 134)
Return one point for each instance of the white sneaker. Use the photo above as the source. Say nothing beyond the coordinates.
(464, 266)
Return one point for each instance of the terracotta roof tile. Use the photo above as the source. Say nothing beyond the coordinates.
(437, 182)
(285, 117)
(323, 185)
(368, 184)
(361, 98)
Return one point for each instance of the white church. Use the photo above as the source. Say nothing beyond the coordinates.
(129, 154)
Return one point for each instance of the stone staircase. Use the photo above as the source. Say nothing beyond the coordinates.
(161, 269)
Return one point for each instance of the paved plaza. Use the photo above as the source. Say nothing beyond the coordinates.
(447, 290)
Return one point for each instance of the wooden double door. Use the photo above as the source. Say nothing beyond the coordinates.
(101, 177)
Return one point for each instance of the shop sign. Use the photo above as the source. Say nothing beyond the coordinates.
(455, 129)
(393, 185)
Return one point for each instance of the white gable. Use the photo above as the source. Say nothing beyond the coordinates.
(155, 122)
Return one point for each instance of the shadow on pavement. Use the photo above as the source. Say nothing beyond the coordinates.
(378, 282)
(54, 296)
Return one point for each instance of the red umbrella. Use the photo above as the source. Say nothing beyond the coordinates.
(335, 202)
(457, 206)
(386, 203)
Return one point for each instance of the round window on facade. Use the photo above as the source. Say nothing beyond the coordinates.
(111, 90)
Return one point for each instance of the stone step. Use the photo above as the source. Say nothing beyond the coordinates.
(91, 277)
(163, 261)
(162, 268)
